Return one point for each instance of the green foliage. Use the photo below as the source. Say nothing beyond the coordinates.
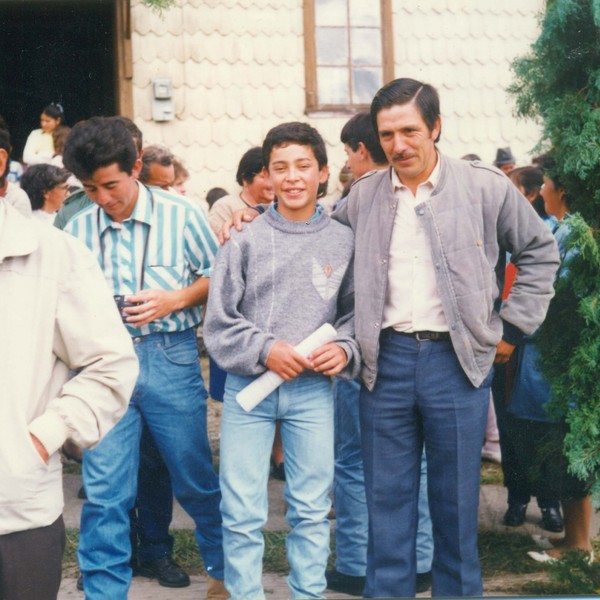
(558, 85)
(159, 5)
(572, 575)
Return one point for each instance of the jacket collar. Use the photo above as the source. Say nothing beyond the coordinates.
(18, 235)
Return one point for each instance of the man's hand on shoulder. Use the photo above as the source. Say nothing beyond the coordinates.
(238, 218)
(285, 361)
(152, 305)
(504, 351)
(329, 359)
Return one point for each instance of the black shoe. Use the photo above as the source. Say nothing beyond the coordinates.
(423, 582)
(80, 582)
(166, 571)
(551, 520)
(346, 584)
(515, 515)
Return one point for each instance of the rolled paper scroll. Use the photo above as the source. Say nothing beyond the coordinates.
(254, 393)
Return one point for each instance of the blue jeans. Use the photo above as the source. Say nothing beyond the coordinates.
(170, 399)
(154, 512)
(422, 396)
(351, 515)
(304, 407)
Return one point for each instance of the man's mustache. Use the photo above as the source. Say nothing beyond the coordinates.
(401, 156)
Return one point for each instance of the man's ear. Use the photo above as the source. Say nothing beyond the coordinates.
(362, 150)
(137, 168)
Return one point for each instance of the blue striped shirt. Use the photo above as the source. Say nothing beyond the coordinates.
(181, 248)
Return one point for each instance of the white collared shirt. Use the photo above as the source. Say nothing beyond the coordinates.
(412, 299)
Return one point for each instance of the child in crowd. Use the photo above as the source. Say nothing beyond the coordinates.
(286, 274)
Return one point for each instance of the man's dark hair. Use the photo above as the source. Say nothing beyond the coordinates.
(403, 91)
(297, 133)
(215, 194)
(531, 180)
(96, 143)
(39, 179)
(251, 164)
(360, 129)
(155, 154)
(134, 130)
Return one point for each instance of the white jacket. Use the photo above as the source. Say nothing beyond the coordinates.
(56, 314)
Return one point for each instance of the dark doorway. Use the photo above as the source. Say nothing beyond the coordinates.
(55, 51)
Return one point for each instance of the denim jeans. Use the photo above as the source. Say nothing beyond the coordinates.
(170, 399)
(351, 515)
(422, 396)
(304, 407)
(154, 512)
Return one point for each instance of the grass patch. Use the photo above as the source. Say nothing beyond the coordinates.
(505, 553)
(491, 473)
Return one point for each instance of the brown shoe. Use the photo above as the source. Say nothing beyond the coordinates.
(216, 589)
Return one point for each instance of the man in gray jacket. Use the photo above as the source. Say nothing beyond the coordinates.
(428, 320)
(428, 233)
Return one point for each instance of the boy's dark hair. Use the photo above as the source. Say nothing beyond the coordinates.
(251, 164)
(215, 194)
(134, 130)
(405, 90)
(360, 129)
(96, 143)
(39, 179)
(155, 154)
(297, 133)
(54, 110)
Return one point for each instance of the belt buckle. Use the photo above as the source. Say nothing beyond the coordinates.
(420, 339)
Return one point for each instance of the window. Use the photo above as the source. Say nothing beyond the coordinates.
(349, 53)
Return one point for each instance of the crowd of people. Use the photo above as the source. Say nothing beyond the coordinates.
(435, 274)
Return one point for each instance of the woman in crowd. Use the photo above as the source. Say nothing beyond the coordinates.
(47, 188)
(39, 147)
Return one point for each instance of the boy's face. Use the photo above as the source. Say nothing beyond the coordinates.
(295, 175)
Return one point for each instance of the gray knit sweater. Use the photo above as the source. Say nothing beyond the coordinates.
(279, 280)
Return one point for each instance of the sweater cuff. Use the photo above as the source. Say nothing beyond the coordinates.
(51, 430)
(512, 334)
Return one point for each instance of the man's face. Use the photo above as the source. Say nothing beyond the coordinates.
(355, 161)
(260, 189)
(295, 175)
(408, 143)
(161, 176)
(507, 168)
(114, 190)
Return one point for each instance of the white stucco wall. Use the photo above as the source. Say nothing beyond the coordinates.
(238, 69)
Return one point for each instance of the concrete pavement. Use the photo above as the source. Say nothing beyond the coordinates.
(491, 510)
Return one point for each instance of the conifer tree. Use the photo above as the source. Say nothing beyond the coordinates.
(558, 85)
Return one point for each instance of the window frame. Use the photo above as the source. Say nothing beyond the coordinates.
(310, 58)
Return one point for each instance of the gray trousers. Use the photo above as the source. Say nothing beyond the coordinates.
(30, 562)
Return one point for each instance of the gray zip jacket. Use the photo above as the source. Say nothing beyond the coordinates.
(473, 211)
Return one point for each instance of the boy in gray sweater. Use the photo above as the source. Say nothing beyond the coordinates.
(274, 283)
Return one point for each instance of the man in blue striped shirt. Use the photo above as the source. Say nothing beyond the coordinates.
(155, 250)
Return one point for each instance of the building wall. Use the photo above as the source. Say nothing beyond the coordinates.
(238, 69)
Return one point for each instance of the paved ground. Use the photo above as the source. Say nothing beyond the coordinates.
(491, 510)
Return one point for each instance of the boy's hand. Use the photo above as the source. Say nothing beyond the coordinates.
(239, 216)
(285, 361)
(151, 305)
(329, 359)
